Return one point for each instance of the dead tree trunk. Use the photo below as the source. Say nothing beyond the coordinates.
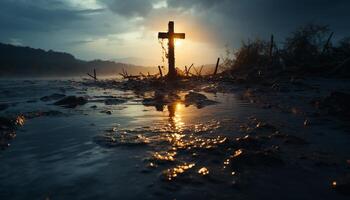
(326, 46)
(271, 47)
(217, 66)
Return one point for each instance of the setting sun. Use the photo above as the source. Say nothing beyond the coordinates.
(178, 43)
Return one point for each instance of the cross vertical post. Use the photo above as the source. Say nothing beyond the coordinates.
(171, 51)
(171, 36)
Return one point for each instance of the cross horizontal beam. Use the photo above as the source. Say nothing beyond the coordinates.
(179, 35)
(163, 35)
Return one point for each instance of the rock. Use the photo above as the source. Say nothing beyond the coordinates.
(71, 101)
(114, 101)
(52, 97)
(8, 128)
(198, 100)
(160, 100)
(194, 96)
(108, 112)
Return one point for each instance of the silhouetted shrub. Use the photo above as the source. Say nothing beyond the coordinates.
(252, 54)
(255, 60)
(342, 51)
(304, 49)
(307, 51)
(341, 55)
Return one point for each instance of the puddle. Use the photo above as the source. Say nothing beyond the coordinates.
(120, 144)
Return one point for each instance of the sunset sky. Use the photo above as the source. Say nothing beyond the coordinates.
(119, 29)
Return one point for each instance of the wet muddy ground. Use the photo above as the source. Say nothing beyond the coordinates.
(65, 139)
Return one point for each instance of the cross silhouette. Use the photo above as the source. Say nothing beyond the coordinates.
(171, 35)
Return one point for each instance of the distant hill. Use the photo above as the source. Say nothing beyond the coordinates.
(25, 61)
(137, 61)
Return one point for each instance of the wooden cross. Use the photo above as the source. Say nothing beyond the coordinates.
(170, 35)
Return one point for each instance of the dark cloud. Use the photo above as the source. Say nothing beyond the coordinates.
(38, 15)
(130, 8)
(193, 3)
(53, 23)
(235, 20)
(59, 24)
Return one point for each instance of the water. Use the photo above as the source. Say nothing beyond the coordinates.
(137, 152)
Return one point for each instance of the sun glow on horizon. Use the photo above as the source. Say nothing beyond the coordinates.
(178, 43)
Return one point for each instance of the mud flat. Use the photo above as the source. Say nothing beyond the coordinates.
(195, 139)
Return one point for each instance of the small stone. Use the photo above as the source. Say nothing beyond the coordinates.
(52, 97)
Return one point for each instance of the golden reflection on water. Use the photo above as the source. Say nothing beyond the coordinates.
(172, 173)
(203, 171)
(237, 153)
(165, 156)
(175, 116)
(177, 145)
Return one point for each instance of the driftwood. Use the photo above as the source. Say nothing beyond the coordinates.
(93, 76)
(197, 72)
(188, 70)
(125, 75)
(200, 71)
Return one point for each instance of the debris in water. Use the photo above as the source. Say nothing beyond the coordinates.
(8, 129)
(197, 99)
(71, 101)
(52, 97)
